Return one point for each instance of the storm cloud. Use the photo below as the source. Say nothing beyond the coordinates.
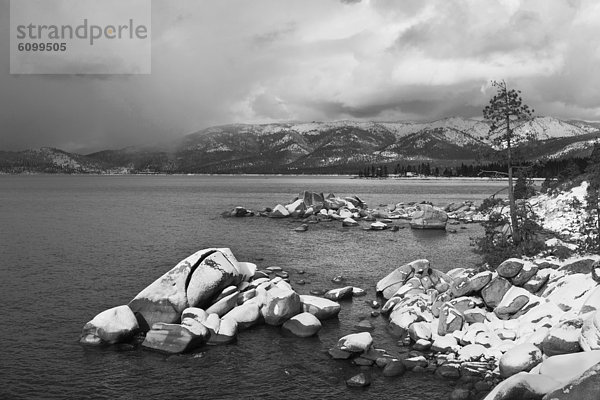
(216, 62)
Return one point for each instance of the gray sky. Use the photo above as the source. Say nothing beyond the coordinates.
(223, 61)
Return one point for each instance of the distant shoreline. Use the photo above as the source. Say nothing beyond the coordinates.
(403, 178)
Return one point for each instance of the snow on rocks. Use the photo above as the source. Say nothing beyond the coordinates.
(192, 282)
(489, 325)
(520, 358)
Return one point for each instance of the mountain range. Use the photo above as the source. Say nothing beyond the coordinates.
(314, 147)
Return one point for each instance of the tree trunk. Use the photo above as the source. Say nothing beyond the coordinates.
(516, 235)
(513, 206)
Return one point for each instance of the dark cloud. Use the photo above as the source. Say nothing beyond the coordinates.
(264, 61)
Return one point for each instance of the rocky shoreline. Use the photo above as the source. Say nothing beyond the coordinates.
(477, 328)
(530, 329)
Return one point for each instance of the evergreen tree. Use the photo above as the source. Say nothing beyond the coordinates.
(505, 111)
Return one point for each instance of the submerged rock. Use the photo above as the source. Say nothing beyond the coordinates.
(360, 380)
(174, 338)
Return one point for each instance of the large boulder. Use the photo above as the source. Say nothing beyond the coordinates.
(389, 285)
(590, 332)
(494, 291)
(280, 305)
(191, 283)
(321, 308)
(111, 326)
(174, 338)
(520, 358)
(566, 367)
(302, 325)
(523, 386)
(563, 338)
(428, 217)
(585, 386)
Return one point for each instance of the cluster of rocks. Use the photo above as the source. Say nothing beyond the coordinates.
(206, 299)
(313, 208)
(480, 327)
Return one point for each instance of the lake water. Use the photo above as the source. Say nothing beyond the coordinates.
(73, 246)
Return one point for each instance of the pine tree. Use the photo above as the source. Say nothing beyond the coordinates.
(505, 112)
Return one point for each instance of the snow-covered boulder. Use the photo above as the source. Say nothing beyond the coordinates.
(191, 283)
(520, 358)
(563, 338)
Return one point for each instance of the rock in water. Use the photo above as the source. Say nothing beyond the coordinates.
(520, 358)
(394, 367)
(355, 342)
(340, 293)
(111, 326)
(189, 284)
(302, 325)
(428, 217)
(280, 305)
(349, 222)
(360, 380)
(321, 308)
(173, 338)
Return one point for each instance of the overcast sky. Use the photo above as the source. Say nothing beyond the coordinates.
(222, 61)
